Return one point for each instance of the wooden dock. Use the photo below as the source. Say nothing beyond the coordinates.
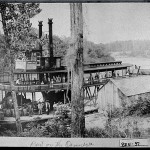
(40, 118)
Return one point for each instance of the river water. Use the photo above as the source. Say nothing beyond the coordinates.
(139, 61)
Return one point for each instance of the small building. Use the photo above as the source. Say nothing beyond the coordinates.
(121, 92)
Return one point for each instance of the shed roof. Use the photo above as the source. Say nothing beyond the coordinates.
(133, 85)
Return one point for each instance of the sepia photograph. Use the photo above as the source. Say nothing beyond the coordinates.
(74, 74)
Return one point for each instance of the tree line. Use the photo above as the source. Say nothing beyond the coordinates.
(131, 47)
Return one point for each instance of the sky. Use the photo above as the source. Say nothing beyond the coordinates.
(103, 22)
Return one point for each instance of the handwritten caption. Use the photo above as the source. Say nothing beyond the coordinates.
(60, 143)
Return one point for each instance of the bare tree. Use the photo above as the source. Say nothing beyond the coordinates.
(77, 99)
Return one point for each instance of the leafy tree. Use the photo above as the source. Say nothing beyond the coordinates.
(17, 27)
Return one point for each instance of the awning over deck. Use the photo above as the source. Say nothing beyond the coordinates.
(106, 68)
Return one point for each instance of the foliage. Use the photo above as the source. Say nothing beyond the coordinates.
(130, 48)
(56, 127)
(122, 127)
(17, 27)
(32, 130)
(140, 108)
(59, 127)
(121, 123)
(93, 53)
(112, 132)
(95, 50)
(8, 133)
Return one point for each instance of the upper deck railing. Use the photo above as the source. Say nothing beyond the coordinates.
(58, 79)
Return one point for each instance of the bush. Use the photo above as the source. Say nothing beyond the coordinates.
(95, 133)
(59, 127)
(8, 133)
(108, 132)
(56, 127)
(34, 132)
(142, 107)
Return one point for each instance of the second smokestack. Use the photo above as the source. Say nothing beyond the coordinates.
(40, 35)
(50, 37)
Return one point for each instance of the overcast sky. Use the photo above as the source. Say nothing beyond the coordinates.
(103, 22)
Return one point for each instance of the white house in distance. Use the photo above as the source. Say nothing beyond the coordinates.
(119, 92)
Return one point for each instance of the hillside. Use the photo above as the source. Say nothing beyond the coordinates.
(93, 53)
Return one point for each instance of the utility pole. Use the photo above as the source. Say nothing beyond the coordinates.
(77, 95)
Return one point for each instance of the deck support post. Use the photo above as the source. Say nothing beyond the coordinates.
(64, 97)
(25, 95)
(32, 98)
(2, 95)
(21, 99)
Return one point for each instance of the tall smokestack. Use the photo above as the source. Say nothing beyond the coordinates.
(40, 34)
(50, 38)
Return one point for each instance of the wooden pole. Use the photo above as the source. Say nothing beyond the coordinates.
(32, 97)
(2, 95)
(77, 95)
(64, 98)
(14, 98)
(25, 95)
(21, 99)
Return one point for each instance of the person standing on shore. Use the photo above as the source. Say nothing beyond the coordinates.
(40, 106)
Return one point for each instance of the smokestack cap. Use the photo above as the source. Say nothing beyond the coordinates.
(40, 23)
(50, 20)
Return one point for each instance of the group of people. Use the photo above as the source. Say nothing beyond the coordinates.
(56, 107)
(54, 79)
(45, 80)
(96, 78)
(99, 76)
(28, 81)
(41, 105)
